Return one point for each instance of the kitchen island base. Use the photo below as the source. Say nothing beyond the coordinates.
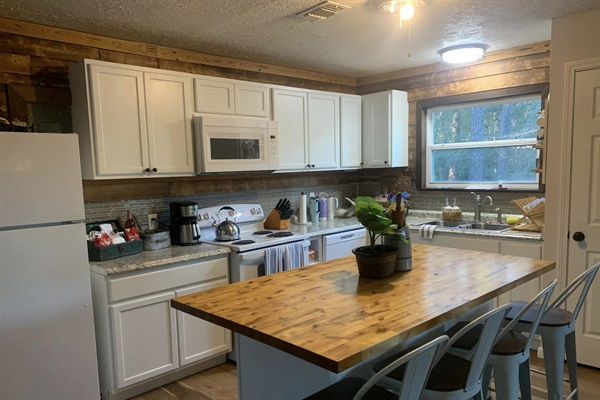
(267, 373)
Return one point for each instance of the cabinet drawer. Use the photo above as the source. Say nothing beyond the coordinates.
(172, 277)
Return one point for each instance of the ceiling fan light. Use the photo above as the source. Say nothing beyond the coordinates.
(407, 11)
(463, 54)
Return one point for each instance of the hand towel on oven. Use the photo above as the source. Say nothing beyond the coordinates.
(292, 257)
(273, 260)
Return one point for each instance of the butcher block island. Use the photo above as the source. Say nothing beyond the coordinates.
(303, 329)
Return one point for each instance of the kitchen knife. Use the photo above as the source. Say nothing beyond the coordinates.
(278, 204)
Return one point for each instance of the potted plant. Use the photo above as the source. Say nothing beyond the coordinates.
(374, 261)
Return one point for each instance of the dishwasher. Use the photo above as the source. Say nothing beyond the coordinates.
(341, 244)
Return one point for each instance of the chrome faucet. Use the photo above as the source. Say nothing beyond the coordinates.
(499, 215)
(478, 203)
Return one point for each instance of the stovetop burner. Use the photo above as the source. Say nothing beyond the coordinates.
(244, 242)
(280, 234)
(262, 232)
(223, 240)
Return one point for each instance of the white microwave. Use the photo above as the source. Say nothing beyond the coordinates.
(230, 144)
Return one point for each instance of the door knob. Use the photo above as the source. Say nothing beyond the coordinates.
(578, 236)
(154, 169)
(147, 170)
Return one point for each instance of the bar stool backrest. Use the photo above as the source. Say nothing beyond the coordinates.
(543, 298)
(586, 278)
(416, 371)
(491, 322)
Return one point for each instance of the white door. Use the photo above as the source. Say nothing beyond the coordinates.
(145, 338)
(290, 111)
(350, 132)
(119, 117)
(376, 129)
(323, 131)
(169, 113)
(584, 214)
(199, 339)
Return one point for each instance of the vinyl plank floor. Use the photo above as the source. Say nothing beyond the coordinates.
(220, 383)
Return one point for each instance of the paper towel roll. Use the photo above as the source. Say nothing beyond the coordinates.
(302, 209)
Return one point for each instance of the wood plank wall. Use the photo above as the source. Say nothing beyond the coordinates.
(34, 62)
(520, 66)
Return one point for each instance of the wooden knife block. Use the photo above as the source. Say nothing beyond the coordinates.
(273, 221)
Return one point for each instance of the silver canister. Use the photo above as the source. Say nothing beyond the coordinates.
(401, 241)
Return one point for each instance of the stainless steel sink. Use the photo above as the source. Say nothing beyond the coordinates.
(482, 226)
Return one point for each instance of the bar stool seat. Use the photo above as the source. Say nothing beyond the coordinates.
(552, 317)
(511, 343)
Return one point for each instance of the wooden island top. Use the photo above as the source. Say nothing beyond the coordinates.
(329, 316)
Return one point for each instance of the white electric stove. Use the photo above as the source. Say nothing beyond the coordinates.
(247, 253)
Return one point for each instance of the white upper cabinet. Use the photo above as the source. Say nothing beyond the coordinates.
(350, 131)
(132, 122)
(323, 130)
(224, 96)
(309, 129)
(290, 110)
(169, 115)
(385, 129)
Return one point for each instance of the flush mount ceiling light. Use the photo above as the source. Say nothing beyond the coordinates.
(463, 53)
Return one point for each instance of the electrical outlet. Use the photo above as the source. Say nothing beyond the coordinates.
(152, 225)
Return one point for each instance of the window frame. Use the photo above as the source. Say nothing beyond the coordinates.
(423, 150)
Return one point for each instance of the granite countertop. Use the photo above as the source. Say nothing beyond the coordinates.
(174, 254)
(156, 258)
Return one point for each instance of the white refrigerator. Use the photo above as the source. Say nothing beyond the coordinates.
(47, 341)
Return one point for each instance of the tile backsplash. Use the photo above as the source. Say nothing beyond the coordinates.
(98, 211)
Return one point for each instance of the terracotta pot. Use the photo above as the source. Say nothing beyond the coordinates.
(377, 263)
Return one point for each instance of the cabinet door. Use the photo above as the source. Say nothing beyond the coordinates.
(252, 100)
(350, 132)
(290, 111)
(169, 113)
(466, 242)
(376, 130)
(214, 96)
(199, 339)
(119, 119)
(528, 290)
(144, 338)
(323, 130)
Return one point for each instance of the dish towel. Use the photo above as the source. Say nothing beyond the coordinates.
(293, 256)
(273, 260)
(426, 231)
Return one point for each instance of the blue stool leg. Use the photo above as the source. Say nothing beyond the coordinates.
(506, 377)
(486, 380)
(571, 349)
(525, 380)
(553, 341)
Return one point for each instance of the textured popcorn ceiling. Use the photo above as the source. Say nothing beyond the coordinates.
(356, 42)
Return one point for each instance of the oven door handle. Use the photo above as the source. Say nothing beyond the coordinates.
(257, 257)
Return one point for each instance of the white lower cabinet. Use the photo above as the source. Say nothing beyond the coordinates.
(142, 342)
(199, 339)
(144, 332)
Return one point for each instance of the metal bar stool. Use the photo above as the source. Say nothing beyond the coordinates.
(454, 377)
(509, 358)
(415, 366)
(557, 328)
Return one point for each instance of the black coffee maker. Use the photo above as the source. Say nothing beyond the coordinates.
(184, 223)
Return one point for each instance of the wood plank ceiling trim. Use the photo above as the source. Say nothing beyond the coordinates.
(520, 51)
(142, 49)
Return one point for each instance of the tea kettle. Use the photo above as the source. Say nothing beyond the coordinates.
(227, 230)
